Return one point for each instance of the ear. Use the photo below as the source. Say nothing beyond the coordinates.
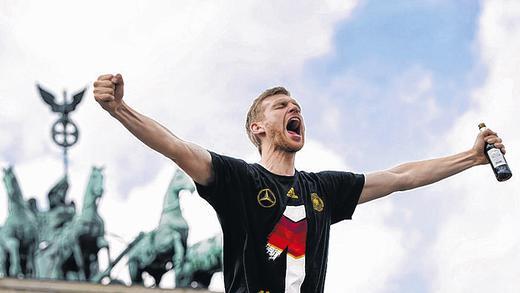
(257, 128)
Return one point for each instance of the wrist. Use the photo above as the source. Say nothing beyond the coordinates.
(474, 157)
(118, 110)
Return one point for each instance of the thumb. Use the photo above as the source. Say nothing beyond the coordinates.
(119, 86)
(118, 79)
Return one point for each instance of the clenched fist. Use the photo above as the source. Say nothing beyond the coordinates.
(108, 91)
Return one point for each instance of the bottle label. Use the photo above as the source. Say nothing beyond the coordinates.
(496, 157)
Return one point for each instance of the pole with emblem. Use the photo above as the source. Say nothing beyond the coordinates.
(64, 131)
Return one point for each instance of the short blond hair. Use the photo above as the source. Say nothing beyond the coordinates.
(256, 112)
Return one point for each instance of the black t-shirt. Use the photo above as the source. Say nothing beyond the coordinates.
(276, 228)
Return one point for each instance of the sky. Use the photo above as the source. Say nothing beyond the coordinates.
(380, 83)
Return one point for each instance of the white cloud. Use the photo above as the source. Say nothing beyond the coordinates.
(355, 251)
(190, 65)
(478, 246)
(193, 66)
(187, 64)
(366, 254)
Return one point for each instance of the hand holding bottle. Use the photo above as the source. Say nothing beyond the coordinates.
(489, 148)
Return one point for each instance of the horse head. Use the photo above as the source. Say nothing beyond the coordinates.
(11, 185)
(94, 187)
(179, 182)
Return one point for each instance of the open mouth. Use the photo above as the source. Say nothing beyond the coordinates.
(294, 126)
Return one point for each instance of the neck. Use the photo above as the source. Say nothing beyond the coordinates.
(278, 162)
(89, 207)
(171, 211)
(14, 205)
(89, 203)
(170, 208)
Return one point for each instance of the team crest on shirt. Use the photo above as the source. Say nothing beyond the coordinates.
(317, 202)
(266, 198)
(292, 194)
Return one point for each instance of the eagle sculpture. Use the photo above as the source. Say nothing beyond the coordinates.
(65, 107)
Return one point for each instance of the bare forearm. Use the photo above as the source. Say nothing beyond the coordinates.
(416, 174)
(194, 160)
(148, 130)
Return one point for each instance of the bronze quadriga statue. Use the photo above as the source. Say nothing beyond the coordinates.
(62, 244)
(70, 242)
(164, 247)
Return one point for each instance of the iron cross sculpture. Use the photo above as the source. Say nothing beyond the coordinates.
(64, 131)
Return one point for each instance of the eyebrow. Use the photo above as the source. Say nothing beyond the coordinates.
(283, 100)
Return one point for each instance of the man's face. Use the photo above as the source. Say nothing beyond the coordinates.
(282, 123)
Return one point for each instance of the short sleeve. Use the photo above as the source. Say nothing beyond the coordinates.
(230, 176)
(344, 189)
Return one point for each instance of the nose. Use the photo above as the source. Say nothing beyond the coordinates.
(294, 109)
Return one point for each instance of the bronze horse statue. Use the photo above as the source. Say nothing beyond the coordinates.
(203, 259)
(92, 236)
(19, 233)
(71, 251)
(164, 247)
(3, 257)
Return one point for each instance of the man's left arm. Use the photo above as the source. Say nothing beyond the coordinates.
(416, 174)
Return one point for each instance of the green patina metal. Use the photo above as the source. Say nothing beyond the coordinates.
(64, 131)
(3, 256)
(92, 236)
(60, 212)
(68, 248)
(19, 233)
(203, 259)
(58, 193)
(61, 243)
(164, 247)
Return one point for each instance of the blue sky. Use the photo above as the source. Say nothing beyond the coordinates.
(380, 82)
(380, 41)
(398, 34)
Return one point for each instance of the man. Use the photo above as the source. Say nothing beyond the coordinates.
(276, 219)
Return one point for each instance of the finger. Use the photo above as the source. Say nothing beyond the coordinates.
(104, 98)
(118, 79)
(487, 132)
(499, 145)
(492, 139)
(104, 90)
(105, 77)
(104, 83)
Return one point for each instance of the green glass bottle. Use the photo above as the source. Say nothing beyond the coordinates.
(496, 159)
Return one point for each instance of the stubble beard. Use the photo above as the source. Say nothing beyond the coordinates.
(280, 143)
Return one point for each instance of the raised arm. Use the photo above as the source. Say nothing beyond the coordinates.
(193, 159)
(415, 174)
